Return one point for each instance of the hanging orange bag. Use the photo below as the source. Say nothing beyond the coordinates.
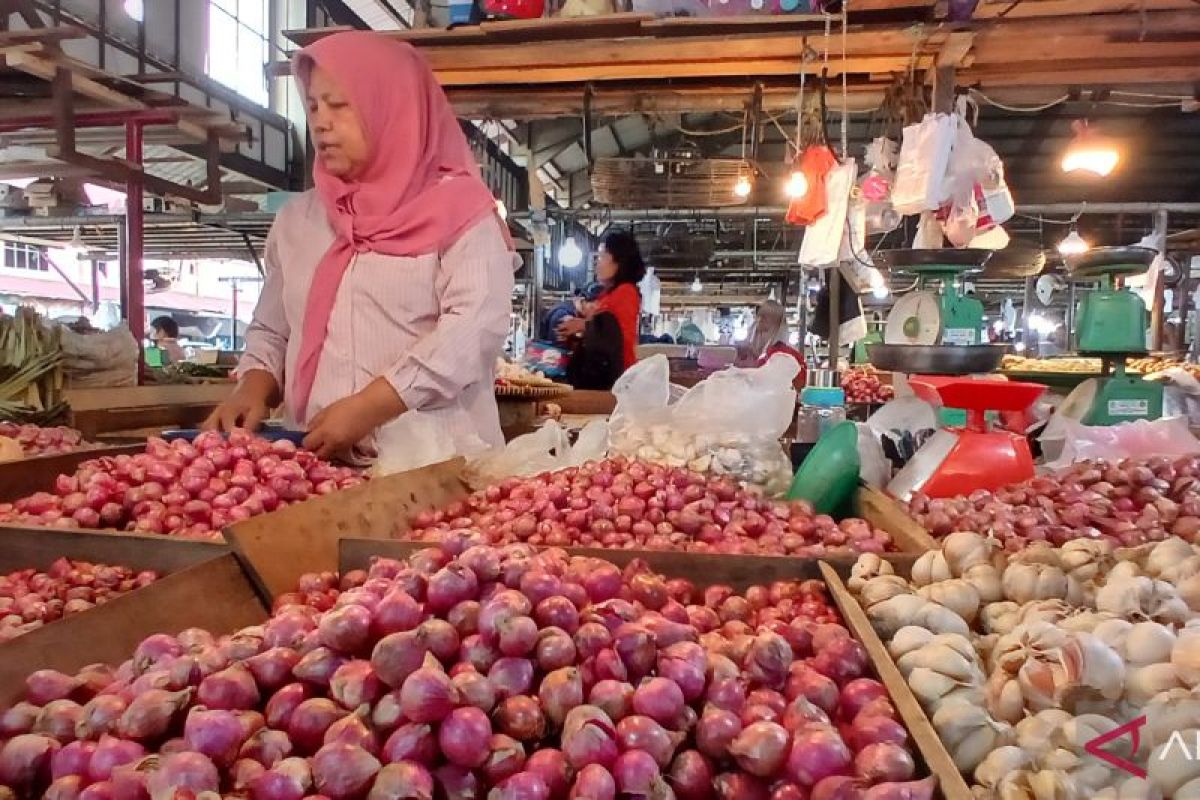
(814, 164)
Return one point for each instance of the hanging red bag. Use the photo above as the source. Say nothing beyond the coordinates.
(814, 164)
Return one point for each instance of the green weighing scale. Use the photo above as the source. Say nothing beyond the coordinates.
(1112, 324)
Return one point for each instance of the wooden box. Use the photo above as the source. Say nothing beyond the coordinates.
(22, 478)
(203, 585)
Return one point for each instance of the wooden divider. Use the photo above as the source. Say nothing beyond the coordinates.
(887, 514)
(937, 758)
(22, 478)
(215, 595)
(22, 547)
(279, 547)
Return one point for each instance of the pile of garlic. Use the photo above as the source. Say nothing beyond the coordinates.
(1022, 659)
(758, 461)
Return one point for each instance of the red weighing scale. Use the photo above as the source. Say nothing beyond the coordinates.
(957, 461)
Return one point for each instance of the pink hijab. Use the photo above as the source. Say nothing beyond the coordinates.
(420, 192)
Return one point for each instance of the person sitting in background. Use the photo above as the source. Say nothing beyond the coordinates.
(575, 307)
(164, 332)
(768, 336)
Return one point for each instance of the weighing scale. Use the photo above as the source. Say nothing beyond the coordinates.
(936, 329)
(957, 461)
(1112, 324)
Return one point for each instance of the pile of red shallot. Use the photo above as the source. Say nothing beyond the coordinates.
(30, 598)
(622, 504)
(181, 488)
(862, 385)
(472, 671)
(1130, 503)
(38, 441)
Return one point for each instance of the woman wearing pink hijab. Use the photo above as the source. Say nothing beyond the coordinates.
(388, 285)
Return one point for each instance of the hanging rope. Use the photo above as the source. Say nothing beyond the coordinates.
(845, 89)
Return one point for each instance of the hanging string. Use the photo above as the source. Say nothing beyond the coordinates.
(800, 95)
(845, 90)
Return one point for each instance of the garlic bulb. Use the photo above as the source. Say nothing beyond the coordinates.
(936, 617)
(1168, 712)
(1052, 611)
(965, 549)
(1124, 569)
(1084, 559)
(1172, 767)
(868, 565)
(881, 588)
(1034, 734)
(1143, 683)
(1131, 789)
(931, 567)
(933, 689)
(1091, 668)
(1038, 553)
(955, 594)
(1167, 554)
(999, 763)
(1142, 598)
(1149, 643)
(1177, 573)
(1185, 656)
(1087, 621)
(895, 613)
(1113, 632)
(1001, 617)
(1023, 583)
(1034, 640)
(986, 580)
(969, 733)
(907, 639)
(1044, 784)
(1189, 592)
(1005, 700)
(944, 658)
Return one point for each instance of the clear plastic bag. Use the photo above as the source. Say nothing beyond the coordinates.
(823, 239)
(412, 441)
(1073, 441)
(924, 159)
(729, 424)
(547, 449)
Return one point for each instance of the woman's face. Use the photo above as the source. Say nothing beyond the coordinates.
(606, 266)
(337, 129)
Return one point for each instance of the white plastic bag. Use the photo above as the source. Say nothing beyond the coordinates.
(1073, 441)
(413, 440)
(929, 233)
(547, 449)
(921, 168)
(729, 424)
(823, 239)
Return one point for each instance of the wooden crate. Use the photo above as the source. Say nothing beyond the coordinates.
(204, 586)
(96, 411)
(22, 478)
(741, 571)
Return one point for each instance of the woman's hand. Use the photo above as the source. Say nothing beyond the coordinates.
(249, 404)
(340, 426)
(571, 326)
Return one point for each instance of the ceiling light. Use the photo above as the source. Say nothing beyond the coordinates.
(135, 9)
(1090, 152)
(797, 185)
(881, 291)
(1073, 244)
(502, 209)
(743, 187)
(569, 255)
(697, 286)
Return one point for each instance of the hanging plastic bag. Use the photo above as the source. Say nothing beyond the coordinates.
(921, 167)
(547, 449)
(823, 239)
(815, 164)
(960, 221)
(651, 289)
(728, 424)
(413, 440)
(929, 233)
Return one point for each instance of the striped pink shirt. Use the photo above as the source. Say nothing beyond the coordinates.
(431, 325)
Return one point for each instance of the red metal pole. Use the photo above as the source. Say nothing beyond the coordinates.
(93, 119)
(134, 244)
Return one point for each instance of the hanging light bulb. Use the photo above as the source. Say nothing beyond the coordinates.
(880, 292)
(569, 255)
(697, 286)
(1073, 244)
(743, 187)
(797, 185)
(502, 209)
(135, 9)
(1090, 152)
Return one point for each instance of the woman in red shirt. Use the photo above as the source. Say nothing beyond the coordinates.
(610, 334)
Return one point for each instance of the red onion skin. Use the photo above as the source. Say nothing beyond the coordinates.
(318, 665)
(837, 787)
(230, 689)
(343, 771)
(843, 660)
(856, 694)
(740, 786)
(594, 782)
(913, 790)
(865, 731)
(560, 691)
(511, 677)
(463, 737)
(403, 780)
(522, 786)
(110, 754)
(817, 753)
(411, 741)
(267, 747)
(67, 787)
(352, 729)
(691, 776)
(151, 713)
(279, 708)
(396, 612)
(638, 732)
(506, 757)
(884, 762)
(397, 656)
(716, 730)
(290, 779)
(659, 699)
(428, 695)
(272, 668)
(182, 771)
(46, 685)
(243, 773)
(614, 698)
(354, 684)
(589, 738)
(636, 773)
(475, 690)
(551, 766)
(309, 722)
(761, 748)
(214, 733)
(18, 719)
(72, 759)
(522, 718)
(813, 686)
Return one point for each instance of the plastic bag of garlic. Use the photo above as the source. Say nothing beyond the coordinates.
(729, 424)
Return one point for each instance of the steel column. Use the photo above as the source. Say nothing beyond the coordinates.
(135, 244)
